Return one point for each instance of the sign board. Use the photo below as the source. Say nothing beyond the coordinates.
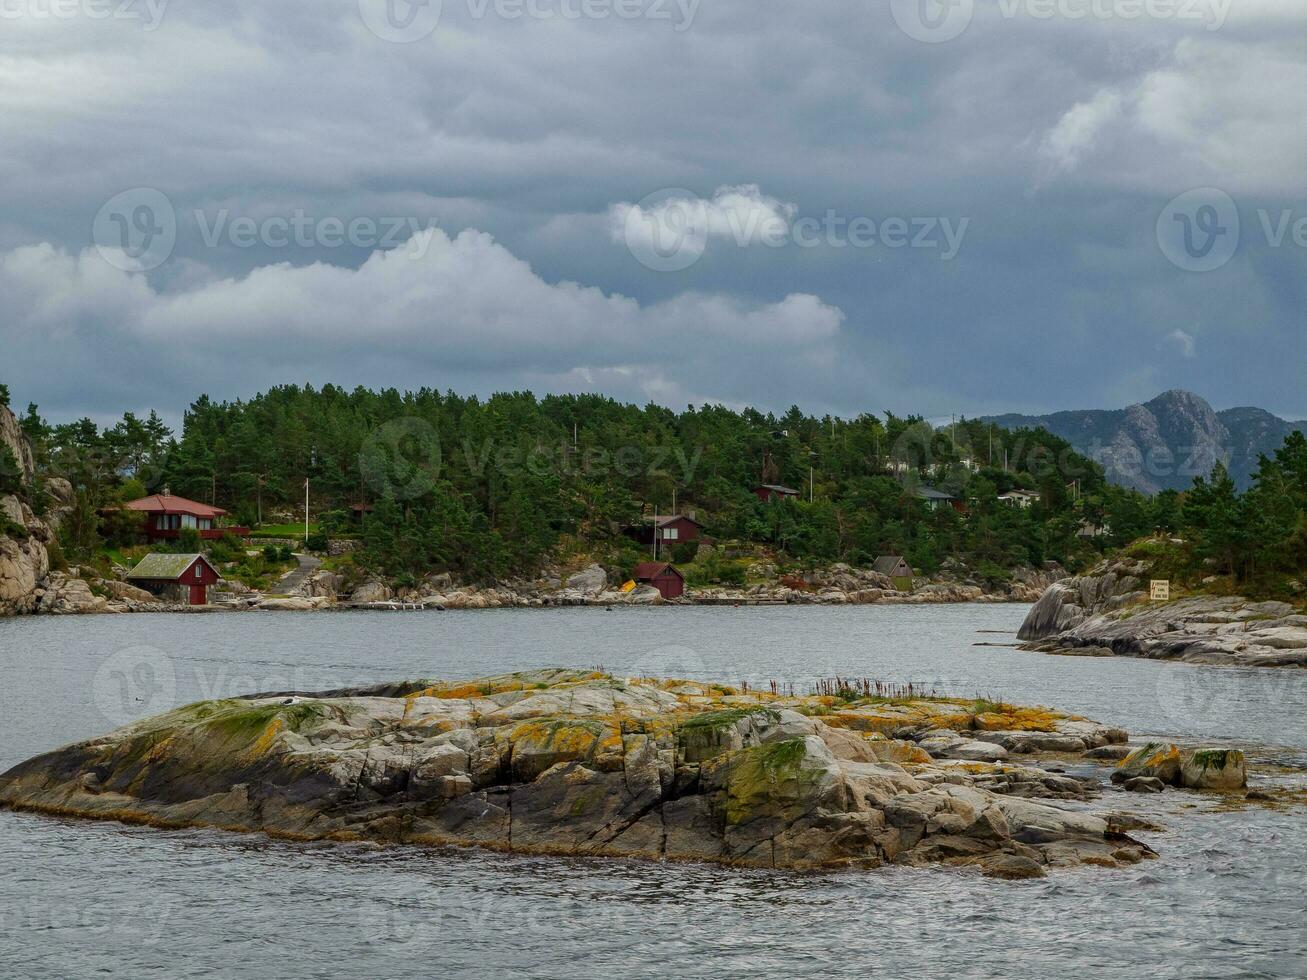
(1161, 590)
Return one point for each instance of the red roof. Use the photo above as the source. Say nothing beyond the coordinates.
(652, 569)
(163, 503)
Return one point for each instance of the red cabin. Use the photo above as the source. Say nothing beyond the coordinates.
(670, 529)
(767, 492)
(663, 576)
(181, 578)
(166, 516)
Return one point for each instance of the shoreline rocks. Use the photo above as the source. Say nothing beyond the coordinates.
(1108, 613)
(1166, 765)
(561, 762)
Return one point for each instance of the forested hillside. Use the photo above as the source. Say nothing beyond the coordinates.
(496, 487)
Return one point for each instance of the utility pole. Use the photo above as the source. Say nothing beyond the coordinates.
(306, 510)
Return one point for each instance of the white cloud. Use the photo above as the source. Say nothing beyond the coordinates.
(742, 214)
(439, 306)
(1184, 342)
(1075, 133)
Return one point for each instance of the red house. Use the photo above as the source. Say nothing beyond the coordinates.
(663, 576)
(671, 530)
(166, 515)
(181, 578)
(767, 492)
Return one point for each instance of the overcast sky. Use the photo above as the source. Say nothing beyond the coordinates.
(851, 206)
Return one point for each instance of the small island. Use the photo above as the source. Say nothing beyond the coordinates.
(583, 763)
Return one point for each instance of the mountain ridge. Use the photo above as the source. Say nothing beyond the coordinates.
(1167, 441)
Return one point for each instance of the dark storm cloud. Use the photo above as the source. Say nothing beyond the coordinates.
(1060, 139)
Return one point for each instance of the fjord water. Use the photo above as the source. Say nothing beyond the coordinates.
(1228, 898)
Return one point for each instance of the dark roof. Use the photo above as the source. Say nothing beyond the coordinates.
(930, 493)
(166, 503)
(167, 568)
(777, 488)
(886, 564)
(652, 569)
(661, 519)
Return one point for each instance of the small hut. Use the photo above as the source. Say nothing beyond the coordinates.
(179, 578)
(663, 576)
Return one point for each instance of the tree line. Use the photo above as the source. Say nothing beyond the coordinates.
(496, 487)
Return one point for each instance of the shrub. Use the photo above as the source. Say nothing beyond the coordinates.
(271, 553)
(317, 542)
(284, 553)
(188, 541)
(685, 552)
(731, 573)
(11, 474)
(227, 548)
(58, 563)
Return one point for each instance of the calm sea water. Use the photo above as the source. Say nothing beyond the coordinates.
(78, 899)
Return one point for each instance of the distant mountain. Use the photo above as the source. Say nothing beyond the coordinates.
(1168, 441)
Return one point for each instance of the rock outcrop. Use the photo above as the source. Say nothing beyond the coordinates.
(590, 581)
(575, 763)
(24, 560)
(1108, 613)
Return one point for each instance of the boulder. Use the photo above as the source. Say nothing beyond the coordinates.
(1158, 760)
(951, 746)
(1113, 753)
(291, 604)
(590, 580)
(1144, 784)
(372, 591)
(64, 596)
(123, 590)
(1218, 769)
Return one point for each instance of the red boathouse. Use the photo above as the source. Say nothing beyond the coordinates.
(180, 578)
(663, 576)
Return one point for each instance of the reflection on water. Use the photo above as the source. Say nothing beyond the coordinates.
(84, 899)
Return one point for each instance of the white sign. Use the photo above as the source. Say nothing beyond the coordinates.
(1161, 591)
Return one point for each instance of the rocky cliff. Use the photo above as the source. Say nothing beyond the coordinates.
(24, 560)
(1108, 613)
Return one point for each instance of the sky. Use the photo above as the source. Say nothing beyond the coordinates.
(927, 206)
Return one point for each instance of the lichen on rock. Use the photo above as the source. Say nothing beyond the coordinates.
(584, 763)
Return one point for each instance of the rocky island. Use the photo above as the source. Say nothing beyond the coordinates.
(565, 762)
